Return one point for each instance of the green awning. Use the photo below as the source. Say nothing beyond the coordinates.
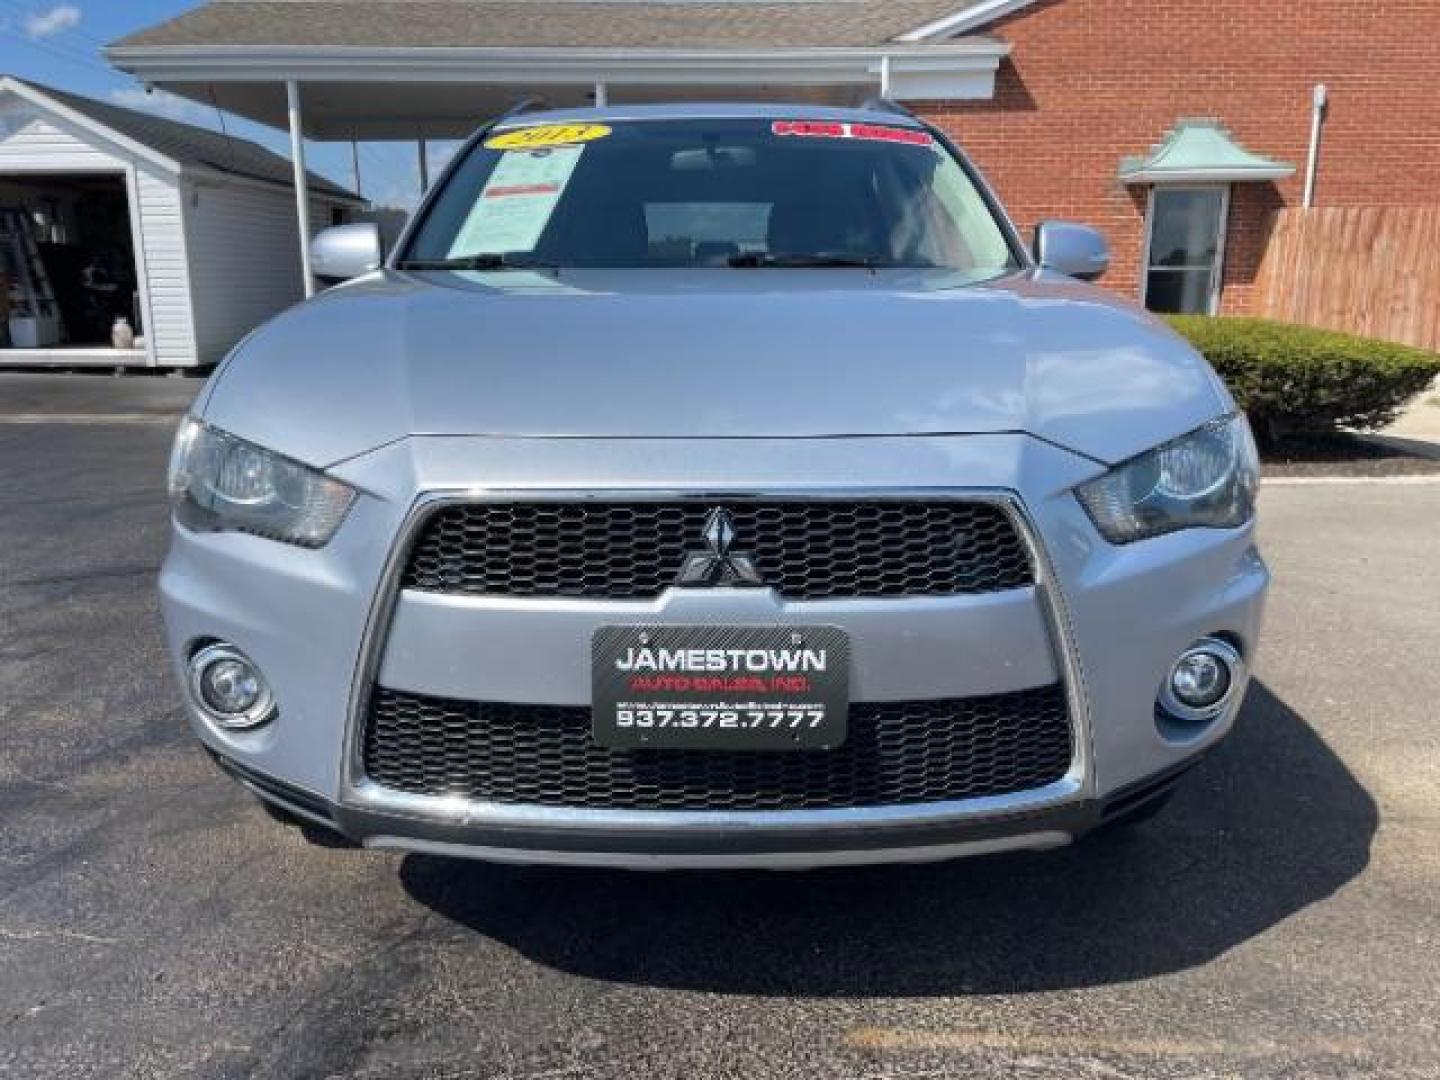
(1200, 152)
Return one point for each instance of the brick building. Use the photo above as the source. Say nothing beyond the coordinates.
(1090, 82)
(1176, 126)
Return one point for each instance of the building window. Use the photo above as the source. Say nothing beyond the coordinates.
(1185, 249)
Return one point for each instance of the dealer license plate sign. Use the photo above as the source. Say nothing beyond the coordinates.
(720, 687)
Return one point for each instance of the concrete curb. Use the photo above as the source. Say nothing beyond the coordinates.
(1409, 480)
(87, 418)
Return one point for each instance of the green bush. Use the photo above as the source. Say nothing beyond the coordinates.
(1298, 379)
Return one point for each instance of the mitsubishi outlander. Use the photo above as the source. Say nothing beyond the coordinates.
(710, 486)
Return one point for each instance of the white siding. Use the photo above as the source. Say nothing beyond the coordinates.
(217, 257)
(244, 258)
(31, 142)
(172, 320)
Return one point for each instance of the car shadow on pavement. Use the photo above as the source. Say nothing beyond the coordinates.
(1271, 823)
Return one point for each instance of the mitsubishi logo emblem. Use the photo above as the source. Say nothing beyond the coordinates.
(718, 564)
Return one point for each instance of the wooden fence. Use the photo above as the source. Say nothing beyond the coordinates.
(1367, 270)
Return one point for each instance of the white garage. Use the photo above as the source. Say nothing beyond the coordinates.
(110, 214)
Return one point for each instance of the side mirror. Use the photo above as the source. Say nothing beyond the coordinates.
(1077, 250)
(346, 251)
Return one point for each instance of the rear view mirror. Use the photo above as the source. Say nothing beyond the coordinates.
(1073, 249)
(713, 157)
(346, 251)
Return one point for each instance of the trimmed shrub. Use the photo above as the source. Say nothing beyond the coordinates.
(1298, 379)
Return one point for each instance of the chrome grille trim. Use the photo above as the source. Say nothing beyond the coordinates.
(357, 791)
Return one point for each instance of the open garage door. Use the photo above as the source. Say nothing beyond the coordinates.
(69, 286)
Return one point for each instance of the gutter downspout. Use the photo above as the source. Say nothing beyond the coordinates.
(302, 182)
(1312, 164)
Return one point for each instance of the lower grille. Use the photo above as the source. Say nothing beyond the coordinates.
(897, 753)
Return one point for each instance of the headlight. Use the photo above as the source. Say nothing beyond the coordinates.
(1206, 479)
(219, 483)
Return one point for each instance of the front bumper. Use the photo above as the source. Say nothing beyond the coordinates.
(902, 837)
(326, 625)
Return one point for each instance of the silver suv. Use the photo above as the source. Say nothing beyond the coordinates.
(713, 486)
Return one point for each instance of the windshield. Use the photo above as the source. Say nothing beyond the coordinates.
(726, 193)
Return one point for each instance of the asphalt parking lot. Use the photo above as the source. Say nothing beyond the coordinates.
(1281, 919)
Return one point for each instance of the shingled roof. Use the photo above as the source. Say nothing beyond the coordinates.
(186, 144)
(446, 64)
(543, 23)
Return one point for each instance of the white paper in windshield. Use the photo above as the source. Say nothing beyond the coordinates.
(517, 201)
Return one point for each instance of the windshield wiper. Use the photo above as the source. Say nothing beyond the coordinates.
(504, 260)
(748, 259)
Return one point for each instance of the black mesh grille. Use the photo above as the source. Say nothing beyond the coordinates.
(896, 754)
(634, 550)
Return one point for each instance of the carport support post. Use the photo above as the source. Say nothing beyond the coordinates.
(302, 182)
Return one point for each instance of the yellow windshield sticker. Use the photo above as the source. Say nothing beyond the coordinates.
(546, 135)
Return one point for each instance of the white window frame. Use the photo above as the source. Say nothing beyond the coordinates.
(1217, 274)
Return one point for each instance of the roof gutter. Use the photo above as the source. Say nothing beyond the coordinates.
(1208, 176)
(204, 175)
(533, 65)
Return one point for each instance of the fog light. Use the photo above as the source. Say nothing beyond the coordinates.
(1203, 680)
(230, 688)
(1200, 680)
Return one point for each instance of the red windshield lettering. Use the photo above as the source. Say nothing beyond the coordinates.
(808, 129)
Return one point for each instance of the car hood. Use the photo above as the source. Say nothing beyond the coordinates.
(711, 353)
